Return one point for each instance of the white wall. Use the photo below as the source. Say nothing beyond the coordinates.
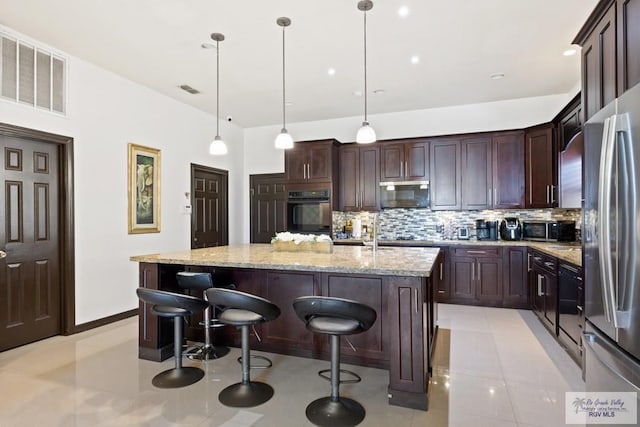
(262, 157)
(105, 112)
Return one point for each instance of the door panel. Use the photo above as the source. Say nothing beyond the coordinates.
(268, 206)
(30, 274)
(209, 220)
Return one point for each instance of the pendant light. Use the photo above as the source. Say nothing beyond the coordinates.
(366, 134)
(218, 146)
(284, 139)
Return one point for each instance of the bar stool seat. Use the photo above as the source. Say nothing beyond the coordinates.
(335, 317)
(201, 281)
(244, 310)
(176, 306)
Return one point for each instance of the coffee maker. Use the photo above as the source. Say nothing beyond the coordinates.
(486, 230)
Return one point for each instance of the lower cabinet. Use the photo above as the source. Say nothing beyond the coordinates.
(515, 277)
(545, 289)
(476, 275)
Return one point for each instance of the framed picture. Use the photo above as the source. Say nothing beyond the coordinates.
(144, 189)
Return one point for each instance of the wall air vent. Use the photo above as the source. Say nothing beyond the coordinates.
(189, 89)
(30, 75)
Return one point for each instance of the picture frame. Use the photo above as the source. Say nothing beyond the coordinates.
(143, 189)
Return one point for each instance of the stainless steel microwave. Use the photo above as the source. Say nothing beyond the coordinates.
(549, 231)
(404, 194)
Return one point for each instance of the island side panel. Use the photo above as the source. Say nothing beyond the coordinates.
(408, 332)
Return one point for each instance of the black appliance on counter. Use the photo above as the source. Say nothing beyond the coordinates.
(309, 211)
(510, 229)
(486, 230)
(549, 231)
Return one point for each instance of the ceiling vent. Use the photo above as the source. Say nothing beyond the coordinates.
(189, 89)
(31, 75)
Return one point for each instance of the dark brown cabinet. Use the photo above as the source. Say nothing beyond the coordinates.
(311, 161)
(571, 308)
(359, 177)
(545, 289)
(628, 44)
(476, 275)
(515, 277)
(440, 276)
(508, 170)
(404, 161)
(540, 168)
(446, 180)
(477, 173)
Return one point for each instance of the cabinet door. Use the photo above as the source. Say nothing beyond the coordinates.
(369, 178)
(489, 280)
(392, 166)
(628, 27)
(441, 277)
(268, 206)
(349, 178)
(416, 161)
(550, 286)
(319, 163)
(295, 164)
(599, 65)
(477, 187)
(515, 272)
(539, 168)
(463, 278)
(508, 171)
(445, 174)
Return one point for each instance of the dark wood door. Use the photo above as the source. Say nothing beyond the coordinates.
(445, 174)
(359, 178)
(515, 274)
(550, 289)
(417, 161)
(441, 277)
(488, 274)
(540, 166)
(295, 163)
(392, 162)
(320, 164)
(30, 286)
(599, 73)
(477, 186)
(628, 27)
(463, 278)
(349, 160)
(369, 178)
(268, 206)
(508, 171)
(209, 198)
(310, 161)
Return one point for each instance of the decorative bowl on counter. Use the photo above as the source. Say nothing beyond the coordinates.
(294, 242)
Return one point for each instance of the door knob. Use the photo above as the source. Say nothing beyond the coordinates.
(3, 254)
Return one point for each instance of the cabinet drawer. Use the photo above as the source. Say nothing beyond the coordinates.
(478, 251)
(546, 262)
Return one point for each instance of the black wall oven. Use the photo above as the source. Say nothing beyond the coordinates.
(309, 211)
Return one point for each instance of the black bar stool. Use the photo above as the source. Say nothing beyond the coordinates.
(335, 317)
(201, 282)
(244, 310)
(178, 306)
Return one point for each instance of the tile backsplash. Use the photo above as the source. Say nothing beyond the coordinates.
(425, 224)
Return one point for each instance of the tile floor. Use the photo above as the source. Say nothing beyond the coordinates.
(494, 367)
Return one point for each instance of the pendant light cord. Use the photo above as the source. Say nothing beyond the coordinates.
(283, 88)
(365, 65)
(218, 88)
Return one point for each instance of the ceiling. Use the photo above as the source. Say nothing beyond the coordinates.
(157, 43)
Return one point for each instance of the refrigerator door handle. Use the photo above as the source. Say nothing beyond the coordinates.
(627, 179)
(604, 212)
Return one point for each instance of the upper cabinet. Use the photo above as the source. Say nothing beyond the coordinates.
(610, 41)
(359, 177)
(540, 168)
(404, 160)
(446, 182)
(311, 161)
(508, 170)
(476, 171)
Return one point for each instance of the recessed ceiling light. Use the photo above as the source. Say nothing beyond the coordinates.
(357, 93)
(497, 76)
(415, 59)
(569, 52)
(379, 91)
(331, 71)
(403, 11)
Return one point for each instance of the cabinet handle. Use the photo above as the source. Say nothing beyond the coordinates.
(579, 278)
(308, 170)
(495, 196)
(551, 194)
(406, 169)
(415, 294)
(546, 194)
(549, 264)
(540, 293)
(528, 262)
(441, 292)
(479, 271)
(362, 199)
(489, 196)
(473, 271)
(440, 271)
(579, 307)
(476, 252)
(537, 258)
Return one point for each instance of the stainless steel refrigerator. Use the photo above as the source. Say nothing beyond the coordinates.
(611, 236)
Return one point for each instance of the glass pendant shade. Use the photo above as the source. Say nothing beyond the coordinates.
(366, 134)
(218, 147)
(284, 140)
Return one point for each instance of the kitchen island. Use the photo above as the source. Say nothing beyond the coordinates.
(396, 282)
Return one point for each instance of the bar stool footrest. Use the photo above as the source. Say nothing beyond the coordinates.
(256, 356)
(356, 378)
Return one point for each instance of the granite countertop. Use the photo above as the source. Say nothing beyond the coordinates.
(386, 261)
(564, 251)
